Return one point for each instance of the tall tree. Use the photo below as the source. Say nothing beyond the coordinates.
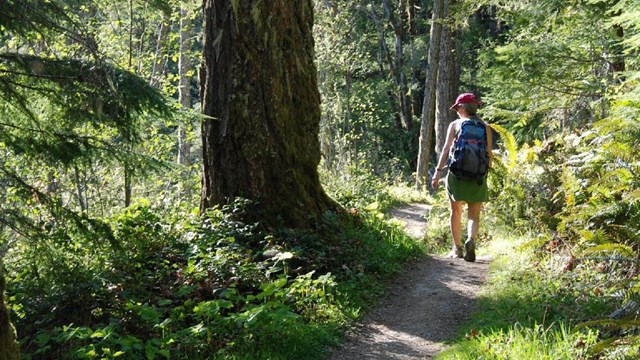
(260, 98)
(184, 84)
(428, 105)
(385, 56)
(158, 66)
(447, 79)
(414, 88)
(396, 60)
(53, 107)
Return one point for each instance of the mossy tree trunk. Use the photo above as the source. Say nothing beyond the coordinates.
(260, 96)
(8, 345)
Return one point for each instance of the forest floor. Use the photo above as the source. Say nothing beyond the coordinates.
(423, 308)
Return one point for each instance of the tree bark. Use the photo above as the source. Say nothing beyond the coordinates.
(428, 104)
(385, 56)
(158, 66)
(128, 187)
(447, 81)
(618, 66)
(390, 95)
(262, 107)
(415, 96)
(397, 62)
(9, 349)
(184, 88)
(81, 186)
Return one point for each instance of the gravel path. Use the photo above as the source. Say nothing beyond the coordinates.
(423, 307)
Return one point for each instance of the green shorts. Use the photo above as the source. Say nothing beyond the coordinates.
(467, 190)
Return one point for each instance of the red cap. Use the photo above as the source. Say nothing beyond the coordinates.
(466, 98)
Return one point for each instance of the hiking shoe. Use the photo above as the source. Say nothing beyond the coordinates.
(456, 252)
(470, 250)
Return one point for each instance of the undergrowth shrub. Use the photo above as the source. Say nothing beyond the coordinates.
(523, 186)
(600, 224)
(579, 191)
(161, 290)
(186, 287)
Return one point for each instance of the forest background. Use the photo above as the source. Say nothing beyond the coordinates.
(104, 249)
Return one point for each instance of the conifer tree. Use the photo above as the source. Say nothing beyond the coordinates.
(262, 107)
(49, 102)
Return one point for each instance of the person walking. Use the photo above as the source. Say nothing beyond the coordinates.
(463, 190)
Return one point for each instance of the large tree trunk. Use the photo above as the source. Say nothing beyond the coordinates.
(8, 345)
(428, 104)
(447, 81)
(260, 96)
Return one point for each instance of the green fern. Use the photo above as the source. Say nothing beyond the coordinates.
(611, 323)
(624, 321)
(509, 143)
(621, 249)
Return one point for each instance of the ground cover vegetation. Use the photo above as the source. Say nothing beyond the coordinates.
(104, 250)
(570, 288)
(106, 254)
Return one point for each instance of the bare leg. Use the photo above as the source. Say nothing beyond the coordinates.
(473, 220)
(473, 224)
(456, 222)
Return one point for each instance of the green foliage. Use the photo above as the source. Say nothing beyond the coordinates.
(198, 289)
(550, 343)
(156, 293)
(509, 144)
(361, 122)
(523, 183)
(551, 67)
(580, 187)
(94, 96)
(359, 189)
(533, 303)
(68, 123)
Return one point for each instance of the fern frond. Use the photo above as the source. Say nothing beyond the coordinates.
(603, 345)
(621, 249)
(612, 342)
(632, 196)
(509, 143)
(633, 295)
(611, 323)
(535, 243)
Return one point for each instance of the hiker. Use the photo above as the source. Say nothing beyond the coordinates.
(467, 188)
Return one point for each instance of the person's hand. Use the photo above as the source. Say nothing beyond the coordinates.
(435, 182)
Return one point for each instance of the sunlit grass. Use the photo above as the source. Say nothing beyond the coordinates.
(406, 193)
(527, 310)
(554, 342)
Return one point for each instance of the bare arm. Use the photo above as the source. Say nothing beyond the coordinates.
(451, 134)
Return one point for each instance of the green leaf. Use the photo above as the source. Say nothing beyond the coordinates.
(621, 249)
(619, 324)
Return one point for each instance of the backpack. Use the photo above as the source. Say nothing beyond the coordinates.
(469, 158)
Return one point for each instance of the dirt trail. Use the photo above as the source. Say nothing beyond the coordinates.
(423, 307)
